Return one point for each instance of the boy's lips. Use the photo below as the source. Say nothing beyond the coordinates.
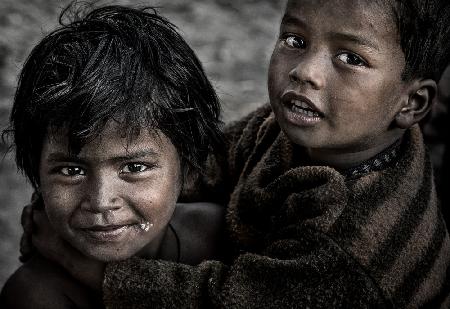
(299, 110)
(292, 98)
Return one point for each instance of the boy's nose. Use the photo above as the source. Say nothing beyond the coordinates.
(310, 70)
(103, 195)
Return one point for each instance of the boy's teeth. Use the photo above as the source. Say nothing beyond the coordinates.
(300, 104)
(303, 108)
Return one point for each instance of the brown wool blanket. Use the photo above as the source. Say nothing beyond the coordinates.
(304, 236)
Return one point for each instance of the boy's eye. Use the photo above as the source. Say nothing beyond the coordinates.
(295, 41)
(351, 59)
(134, 168)
(72, 171)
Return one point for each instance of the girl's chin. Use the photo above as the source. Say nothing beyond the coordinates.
(109, 254)
(109, 257)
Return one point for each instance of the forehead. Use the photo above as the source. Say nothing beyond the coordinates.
(345, 7)
(370, 16)
(112, 141)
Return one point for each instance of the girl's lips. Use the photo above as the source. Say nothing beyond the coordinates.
(105, 227)
(106, 233)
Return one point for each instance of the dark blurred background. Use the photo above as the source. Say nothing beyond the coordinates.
(233, 39)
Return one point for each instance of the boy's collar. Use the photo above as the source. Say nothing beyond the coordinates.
(376, 163)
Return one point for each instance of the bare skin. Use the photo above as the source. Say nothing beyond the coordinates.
(113, 200)
(77, 279)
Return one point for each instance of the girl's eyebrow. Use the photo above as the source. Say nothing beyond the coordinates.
(56, 157)
(138, 154)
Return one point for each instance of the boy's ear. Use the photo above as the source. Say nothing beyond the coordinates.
(417, 104)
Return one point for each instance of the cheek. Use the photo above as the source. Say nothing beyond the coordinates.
(60, 202)
(155, 207)
(59, 206)
(155, 201)
(278, 76)
(357, 98)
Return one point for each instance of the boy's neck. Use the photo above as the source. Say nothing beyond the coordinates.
(342, 160)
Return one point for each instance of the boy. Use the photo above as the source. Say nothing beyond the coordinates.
(112, 113)
(331, 199)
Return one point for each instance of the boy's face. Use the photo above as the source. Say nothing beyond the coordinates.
(116, 196)
(335, 75)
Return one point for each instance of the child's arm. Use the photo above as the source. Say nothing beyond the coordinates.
(289, 275)
(299, 268)
(199, 229)
(41, 284)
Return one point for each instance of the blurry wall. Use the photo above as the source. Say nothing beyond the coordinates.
(233, 39)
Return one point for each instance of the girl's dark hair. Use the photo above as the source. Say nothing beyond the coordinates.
(424, 29)
(114, 63)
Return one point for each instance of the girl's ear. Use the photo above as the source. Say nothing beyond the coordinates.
(417, 104)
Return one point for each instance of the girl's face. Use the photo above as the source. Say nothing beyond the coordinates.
(115, 198)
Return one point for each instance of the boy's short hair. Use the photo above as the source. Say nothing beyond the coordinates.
(114, 63)
(424, 28)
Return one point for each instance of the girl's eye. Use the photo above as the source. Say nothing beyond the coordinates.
(295, 42)
(72, 171)
(351, 59)
(134, 168)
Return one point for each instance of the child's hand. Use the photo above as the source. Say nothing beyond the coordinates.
(26, 246)
(88, 271)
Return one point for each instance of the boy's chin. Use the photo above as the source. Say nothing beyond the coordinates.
(302, 137)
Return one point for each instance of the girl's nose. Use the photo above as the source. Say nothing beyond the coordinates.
(310, 70)
(103, 195)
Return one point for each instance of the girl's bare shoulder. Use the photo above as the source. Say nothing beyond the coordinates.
(200, 229)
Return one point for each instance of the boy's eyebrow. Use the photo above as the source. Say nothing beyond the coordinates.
(64, 157)
(293, 20)
(354, 39)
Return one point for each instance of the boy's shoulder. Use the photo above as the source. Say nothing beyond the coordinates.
(40, 283)
(249, 122)
(199, 228)
(243, 135)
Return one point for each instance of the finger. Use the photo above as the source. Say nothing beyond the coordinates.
(26, 219)
(34, 197)
(25, 243)
(26, 248)
(51, 246)
(40, 219)
(41, 245)
(44, 243)
(37, 201)
(46, 240)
